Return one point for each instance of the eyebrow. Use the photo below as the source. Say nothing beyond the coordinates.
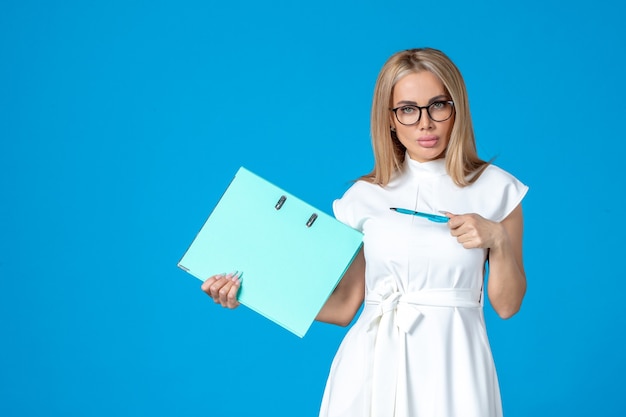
(441, 97)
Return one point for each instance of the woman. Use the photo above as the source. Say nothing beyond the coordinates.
(420, 347)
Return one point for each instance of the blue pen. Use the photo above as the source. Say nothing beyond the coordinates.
(431, 217)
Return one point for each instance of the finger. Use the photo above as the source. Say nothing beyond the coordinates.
(228, 295)
(462, 222)
(458, 228)
(222, 293)
(471, 244)
(455, 222)
(231, 298)
(464, 241)
(471, 240)
(216, 288)
(225, 298)
(447, 213)
(206, 284)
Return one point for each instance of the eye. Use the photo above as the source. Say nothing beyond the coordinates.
(438, 105)
(408, 109)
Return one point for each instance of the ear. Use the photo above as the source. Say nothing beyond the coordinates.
(392, 121)
(392, 132)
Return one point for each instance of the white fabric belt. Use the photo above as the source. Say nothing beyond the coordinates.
(399, 314)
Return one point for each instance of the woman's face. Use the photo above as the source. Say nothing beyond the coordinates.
(425, 140)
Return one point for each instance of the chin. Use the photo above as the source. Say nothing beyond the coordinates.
(427, 156)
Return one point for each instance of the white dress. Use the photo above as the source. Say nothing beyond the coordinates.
(419, 347)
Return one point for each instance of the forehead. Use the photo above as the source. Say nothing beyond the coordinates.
(418, 87)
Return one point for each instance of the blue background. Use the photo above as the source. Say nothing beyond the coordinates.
(121, 122)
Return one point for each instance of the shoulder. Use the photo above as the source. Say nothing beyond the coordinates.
(495, 178)
(506, 188)
(361, 188)
(495, 174)
(350, 207)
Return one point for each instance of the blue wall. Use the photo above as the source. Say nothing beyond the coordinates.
(121, 122)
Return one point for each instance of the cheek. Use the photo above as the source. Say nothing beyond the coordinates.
(448, 130)
(402, 132)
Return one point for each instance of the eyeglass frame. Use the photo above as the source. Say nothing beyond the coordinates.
(395, 111)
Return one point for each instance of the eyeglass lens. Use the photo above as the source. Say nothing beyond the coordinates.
(438, 111)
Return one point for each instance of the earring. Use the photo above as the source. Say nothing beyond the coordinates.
(393, 129)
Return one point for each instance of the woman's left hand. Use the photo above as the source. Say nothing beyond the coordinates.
(474, 231)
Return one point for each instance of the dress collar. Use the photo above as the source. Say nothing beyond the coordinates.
(433, 168)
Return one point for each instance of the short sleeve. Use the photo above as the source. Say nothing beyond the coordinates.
(349, 208)
(510, 190)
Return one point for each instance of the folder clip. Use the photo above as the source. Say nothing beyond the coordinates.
(311, 220)
(280, 202)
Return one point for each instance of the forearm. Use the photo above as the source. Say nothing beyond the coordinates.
(339, 310)
(507, 280)
(346, 299)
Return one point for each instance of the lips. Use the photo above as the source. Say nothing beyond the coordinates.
(428, 141)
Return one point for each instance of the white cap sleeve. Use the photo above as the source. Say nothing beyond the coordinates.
(349, 208)
(510, 191)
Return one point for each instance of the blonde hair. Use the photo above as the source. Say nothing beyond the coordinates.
(462, 161)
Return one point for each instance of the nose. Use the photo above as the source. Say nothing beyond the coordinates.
(424, 122)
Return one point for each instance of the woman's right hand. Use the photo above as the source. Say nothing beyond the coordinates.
(223, 289)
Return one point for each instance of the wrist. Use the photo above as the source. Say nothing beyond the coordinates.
(501, 238)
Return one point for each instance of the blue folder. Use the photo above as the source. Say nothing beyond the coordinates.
(292, 255)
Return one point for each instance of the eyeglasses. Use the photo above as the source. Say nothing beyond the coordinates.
(439, 111)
